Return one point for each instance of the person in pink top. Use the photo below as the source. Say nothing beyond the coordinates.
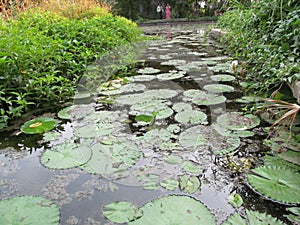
(168, 12)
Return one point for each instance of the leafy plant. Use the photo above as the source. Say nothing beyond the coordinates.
(39, 125)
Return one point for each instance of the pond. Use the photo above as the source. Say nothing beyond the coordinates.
(166, 141)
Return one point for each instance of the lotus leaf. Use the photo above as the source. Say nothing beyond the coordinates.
(65, 113)
(39, 125)
(254, 217)
(191, 117)
(168, 210)
(218, 88)
(170, 76)
(145, 118)
(170, 184)
(31, 210)
(149, 180)
(182, 106)
(235, 200)
(278, 183)
(295, 217)
(238, 121)
(133, 87)
(189, 184)
(174, 62)
(65, 156)
(276, 161)
(141, 78)
(190, 167)
(173, 159)
(51, 136)
(223, 145)
(161, 93)
(121, 212)
(94, 130)
(222, 77)
(132, 99)
(148, 70)
(209, 99)
(191, 138)
(291, 156)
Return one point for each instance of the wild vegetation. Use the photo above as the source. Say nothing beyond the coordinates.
(45, 49)
(265, 35)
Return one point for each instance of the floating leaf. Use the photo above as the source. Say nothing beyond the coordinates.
(148, 70)
(234, 219)
(295, 216)
(170, 76)
(31, 210)
(173, 159)
(121, 212)
(235, 200)
(141, 78)
(145, 118)
(132, 87)
(67, 155)
(291, 156)
(65, 113)
(168, 210)
(280, 184)
(182, 106)
(190, 167)
(218, 88)
(199, 97)
(257, 218)
(191, 117)
(189, 184)
(191, 138)
(39, 125)
(174, 62)
(222, 77)
(238, 121)
(248, 99)
(170, 184)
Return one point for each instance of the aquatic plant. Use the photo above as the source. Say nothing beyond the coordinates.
(39, 125)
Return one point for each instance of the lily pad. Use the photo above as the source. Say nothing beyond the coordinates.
(235, 200)
(39, 125)
(254, 218)
(170, 184)
(189, 184)
(65, 113)
(168, 210)
(278, 183)
(121, 212)
(191, 138)
(222, 77)
(132, 87)
(148, 70)
(65, 156)
(173, 159)
(291, 156)
(182, 106)
(191, 117)
(28, 210)
(199, 97)
(238, 121)
(141, 78)
(170, 75)
(218, 88)
(295, 216)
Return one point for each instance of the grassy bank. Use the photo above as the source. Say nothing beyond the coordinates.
(43, 54)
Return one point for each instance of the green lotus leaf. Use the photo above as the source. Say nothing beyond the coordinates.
(31, 210)
(276, 161)
(121, 212)
(173, 159)
(191, 117)
(169, 184)
(132, 87)
(51, 136)
(65, 113)
(170, 76)
(94, 130)
(223, 145)
(141, 78)
(278, 183)
(222, 77)
(161, 93)
(145, 118)
(218, 88)
(181, 106)
(254, 218)
(192, 93)
(209, 99)
(39, 125)
(168, 210)
(235, 200)
(238, 121)
(222, 68)
(191, 138)
(148, 180)
(191, 167)
(148, 70)
(132, 99)
(295, 216)
(174, 62)
(65, 156)
(291, 156)
(232, 133)
(189, 184)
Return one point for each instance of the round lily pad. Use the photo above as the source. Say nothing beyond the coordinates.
(278, 183)
(182, 106)
(238, 121)
(65, 113)
(148, 70)
(121, 212)
(31, 210)
(222, 77)
(191, 117)
(39, 125)
(65, 156)
(218, 88)
(169, 184)
(168, 210)
(170, 76)
(132, 87)
(189, 184)
(191, 138)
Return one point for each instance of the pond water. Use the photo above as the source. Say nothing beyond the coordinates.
(156, 131)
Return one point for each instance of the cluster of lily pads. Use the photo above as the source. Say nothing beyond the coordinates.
(160, 136)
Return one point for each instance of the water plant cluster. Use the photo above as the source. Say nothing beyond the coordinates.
(44, 54)
(265, 35)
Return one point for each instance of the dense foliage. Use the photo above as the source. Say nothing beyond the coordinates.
(42, 55)
(266, 36)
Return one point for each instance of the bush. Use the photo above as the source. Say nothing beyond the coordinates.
(266, 35)
(42, 56)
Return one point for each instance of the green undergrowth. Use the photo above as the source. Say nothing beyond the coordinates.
(266, 37)
(43, 55)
